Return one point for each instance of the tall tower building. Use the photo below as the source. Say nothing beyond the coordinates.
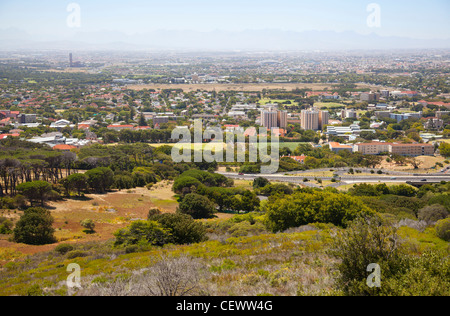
(273, 118)
(324, 117)
(282, 119)
(71, 60)
(309, 120)
(269, 119)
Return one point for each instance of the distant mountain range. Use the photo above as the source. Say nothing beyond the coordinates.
(250, 40)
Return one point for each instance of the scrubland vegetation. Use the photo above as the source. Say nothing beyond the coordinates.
(308, 242)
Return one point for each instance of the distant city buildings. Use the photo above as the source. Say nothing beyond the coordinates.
(336, 147)
(370, 96)
(404, 116)
(410, 150)
(273, 119)
(313, 119)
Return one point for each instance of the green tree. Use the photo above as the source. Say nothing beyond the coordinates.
(444, 149)
(35, 190)
(197, 206)
(185, 185)
(34, 227)
(100, 179)
(89, 224)
(78, 182)
(260, 182)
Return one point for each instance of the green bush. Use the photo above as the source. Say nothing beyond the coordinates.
(5, 226)
(76, 254)
(197, 206)
(183, 228)
(433, 213)
(143, 232)
(302, 208)
(364, 242)
(64, 248)
(34, 227)
(443, 229)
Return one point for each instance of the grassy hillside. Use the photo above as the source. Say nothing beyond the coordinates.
(293, 263)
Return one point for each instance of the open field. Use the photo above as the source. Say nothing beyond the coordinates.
(241, 87)
(110, 212)
(328, 105)
(426, 163)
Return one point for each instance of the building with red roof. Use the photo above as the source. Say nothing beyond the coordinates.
(64, 147)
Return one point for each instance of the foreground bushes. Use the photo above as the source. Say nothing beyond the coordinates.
(305, 207)
(160, 229)
(372, 241)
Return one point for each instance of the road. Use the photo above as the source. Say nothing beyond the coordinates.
(345, 179)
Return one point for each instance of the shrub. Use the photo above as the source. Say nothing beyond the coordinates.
(197, 206)
(366, 241)
(443, 229)
(302, 208)
(142, 233)
(5, 226)
(183, 228)
(88, 224)
(64, 248)
(76, 254)
(34, 227)
(433, 213)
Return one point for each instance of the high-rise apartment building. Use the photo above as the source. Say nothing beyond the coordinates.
(324, 117)
(310, 120)
(314, 119)
(273, 118)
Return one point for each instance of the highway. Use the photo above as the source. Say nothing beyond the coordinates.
(344, 179)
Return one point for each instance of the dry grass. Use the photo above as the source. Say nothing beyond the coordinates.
(426, 162)
(110, 212)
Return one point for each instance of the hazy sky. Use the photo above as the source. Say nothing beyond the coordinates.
(411, 18)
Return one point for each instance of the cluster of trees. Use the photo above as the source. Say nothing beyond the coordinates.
(38, 173)
(160, 229)
(365, 189)
(22, 161)
(323, 157)
(404, 200)
(307, 206)
(153, 136)
(202, 193)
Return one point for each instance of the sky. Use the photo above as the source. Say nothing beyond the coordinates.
(428, 19)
